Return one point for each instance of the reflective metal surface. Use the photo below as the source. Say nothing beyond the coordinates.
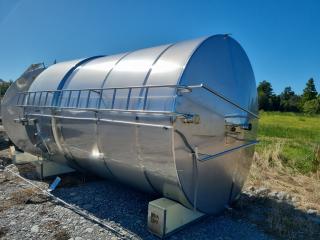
(179, 119)
(9, 111)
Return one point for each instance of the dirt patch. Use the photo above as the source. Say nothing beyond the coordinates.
(23, 196)
(3, 180)
(17, 198)
(3, 231)
(61, 235)
(28, 171)
(267, 171)
(4, 161)
(55, 227)
(281, 201)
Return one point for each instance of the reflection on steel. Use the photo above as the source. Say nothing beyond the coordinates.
(9, 111)
(178, 119)
(229, 101)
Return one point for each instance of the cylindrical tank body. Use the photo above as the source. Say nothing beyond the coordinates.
(191, 143)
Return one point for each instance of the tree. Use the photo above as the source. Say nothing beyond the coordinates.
(312, 106)
(266, 88)
(287, 93)
(289, 101)
(3, 87)
(309, 92)
(265, 95)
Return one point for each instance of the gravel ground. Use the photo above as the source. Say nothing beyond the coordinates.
(29, 215)
(128, 209)
(261, 213)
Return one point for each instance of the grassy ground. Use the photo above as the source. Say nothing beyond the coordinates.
(296, 138)
(287, 160)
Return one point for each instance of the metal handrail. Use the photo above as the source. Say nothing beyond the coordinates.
(225, 98)
(205, 157)
(60, 94)
(111, 88)
(57, 97)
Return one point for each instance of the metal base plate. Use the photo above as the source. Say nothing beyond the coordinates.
(44, 168)
(166, 216)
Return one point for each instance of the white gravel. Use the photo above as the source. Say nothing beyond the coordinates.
(122, 208)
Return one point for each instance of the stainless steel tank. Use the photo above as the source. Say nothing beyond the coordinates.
(179, 119)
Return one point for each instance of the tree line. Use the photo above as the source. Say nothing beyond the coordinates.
(288, 101)
(3, 87)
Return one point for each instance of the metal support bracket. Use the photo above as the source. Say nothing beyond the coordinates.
(166, 217)
(25, 121)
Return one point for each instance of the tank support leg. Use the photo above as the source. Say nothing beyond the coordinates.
(44, 167)
(166, 217)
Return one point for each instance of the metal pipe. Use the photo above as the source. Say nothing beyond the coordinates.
(215, 155)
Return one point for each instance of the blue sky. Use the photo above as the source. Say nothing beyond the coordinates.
(281, 38)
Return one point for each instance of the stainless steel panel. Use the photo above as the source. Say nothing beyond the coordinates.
(50, 79)
(133, 69)
(168, 70)
(47, 130)
(93, 73)
(9, 112)
(88, 153)
(225, 68)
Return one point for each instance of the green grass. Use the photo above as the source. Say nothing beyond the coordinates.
(298, 134)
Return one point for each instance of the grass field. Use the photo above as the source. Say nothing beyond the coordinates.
(287, 160)
(294, 138)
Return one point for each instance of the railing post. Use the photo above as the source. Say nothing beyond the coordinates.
(40, 98)
(25, 99)
(60, 96)
(19, 96)
(78, 99)
(69, 97)
(46, 99)
(100, 99)
(128, 98)
(28, 98)
(113, 97)
(145, 98)
(88, 99)
(34, 98)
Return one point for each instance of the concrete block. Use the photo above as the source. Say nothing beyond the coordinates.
(166, 216)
